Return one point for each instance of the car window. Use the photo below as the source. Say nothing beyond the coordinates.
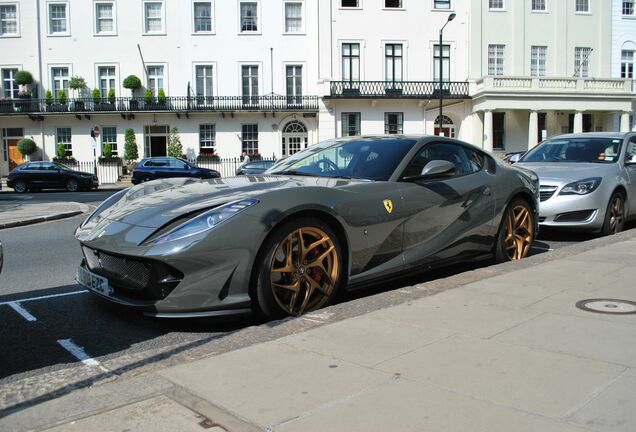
(176, 163)
(453, 153)
(157, 163)
(576, 149)
(631, 150)
(48, 166)
(475, 158)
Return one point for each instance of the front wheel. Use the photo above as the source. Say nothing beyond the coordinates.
(614, 216)
(72, 185)
(20, 186)
(516, 232)
(300, 269)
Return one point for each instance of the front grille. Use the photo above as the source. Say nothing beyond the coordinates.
(545, 192)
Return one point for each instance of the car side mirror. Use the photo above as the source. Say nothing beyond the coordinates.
(435, 168)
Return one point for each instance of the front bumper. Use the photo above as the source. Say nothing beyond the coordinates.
(585, 212)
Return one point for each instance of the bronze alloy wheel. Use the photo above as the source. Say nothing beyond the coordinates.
(519, 232)
(304, 270)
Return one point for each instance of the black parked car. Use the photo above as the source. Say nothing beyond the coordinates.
(165, 167)
(35, 176)
(255, 167)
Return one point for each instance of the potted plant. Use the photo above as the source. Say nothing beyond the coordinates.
(62, 99)
(130, 149)
(77, 84)
(149, 99)
(27, 147)
(62, 156)
(48, 99)
(175, 148)
(24, 79)
(161, 98)
(111, 96)
(208, 156)
(132, 82)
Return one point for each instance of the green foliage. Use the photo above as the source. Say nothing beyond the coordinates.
(132, 83)
(61, 96)
(27, 146)
(61, 150)
(161, 96)
(48, 97)
(111, 95)
(130, 145)
(149, 98)
(23, 78)
(175, 149)
(107, 151)
(97, 96)
(77, 83)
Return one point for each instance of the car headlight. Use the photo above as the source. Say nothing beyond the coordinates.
(581, 187)
(108, 202)
(205, 221)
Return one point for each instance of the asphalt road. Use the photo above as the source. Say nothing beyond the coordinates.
(41, 305)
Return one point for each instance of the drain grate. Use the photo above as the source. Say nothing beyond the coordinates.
(607, 306)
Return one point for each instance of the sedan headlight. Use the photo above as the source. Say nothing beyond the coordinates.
(108, 202)
(581, 187)
(205, 221)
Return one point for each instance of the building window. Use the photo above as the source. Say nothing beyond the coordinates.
(349, 3)
(104, 18)
(106, 79)
(351, 62)
(538, 56)
(204, 81)
(109, 136)
(249, 16)
(441, 4)
(350, 124)
(498, 130)
(63, 135)
(207, 138)
(249, 138)
(582, 61)
(294, 81)
(58, 18)
(8, 20)
(628, 7)
(627, 64)
(155, 78)
(390, 4)
(445, 62)
(393, 123)
(393, 62)
(495, 4)
(496, 59)
(202, 17)
(249, 84)
(539, 6)
(59, 77)
(293, 17)
(583, 6)
(9, 87)
(153, 17)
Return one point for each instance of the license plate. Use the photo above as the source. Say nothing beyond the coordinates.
(94, 282)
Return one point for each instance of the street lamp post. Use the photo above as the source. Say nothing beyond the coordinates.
(441, 74)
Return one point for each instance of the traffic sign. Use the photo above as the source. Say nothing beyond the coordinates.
(95, 133)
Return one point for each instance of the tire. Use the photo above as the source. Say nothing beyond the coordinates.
(312, 281)
(72, 185)
(516, 232)
(20, 186)
(614, 215)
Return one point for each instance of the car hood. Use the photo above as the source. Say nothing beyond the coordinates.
(567, 171)
(156, 203)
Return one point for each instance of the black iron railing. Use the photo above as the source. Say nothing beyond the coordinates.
(170, 104)
(399, 89)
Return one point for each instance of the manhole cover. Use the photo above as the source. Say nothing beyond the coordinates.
(607, 306)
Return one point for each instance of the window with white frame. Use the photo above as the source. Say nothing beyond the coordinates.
(207, 138)
(59, 78)
(58, 19)
(202, 12)
(8, 19)
(349, 3)
(9, 87)
(444, 60)
(154, 17)
(249, 84)
(628, 8)
(496, 59)
(539, 5)
(393, 4)
(627, 64)
(441, 4)
(538, 55)
(249, 16)
(203, 81)
(249, 138)
(582, 6)
(350, 123)
(104, 17)
(351, 62)
(393, 62)
(155, 78)
(109, 136)
(393, 123)
(293, 17)
(582, 61)
(63, 136)
(294, 84)
(495, 4)
(106, 76)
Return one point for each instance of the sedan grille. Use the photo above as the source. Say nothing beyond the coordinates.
(545, 192)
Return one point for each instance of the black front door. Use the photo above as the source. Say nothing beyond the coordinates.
(158, 146)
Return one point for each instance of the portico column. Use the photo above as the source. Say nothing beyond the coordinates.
(578, 122)
(488, 131)
(624, 122)
(533, 129)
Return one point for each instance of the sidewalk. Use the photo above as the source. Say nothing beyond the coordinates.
(502, 348)
(18, 212)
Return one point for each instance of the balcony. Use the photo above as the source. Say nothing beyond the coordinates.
(397, 90)
(574, 85)
(172, 104)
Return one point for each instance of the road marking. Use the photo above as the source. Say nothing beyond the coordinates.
(28, 299)
(22, 311)
(79, 353)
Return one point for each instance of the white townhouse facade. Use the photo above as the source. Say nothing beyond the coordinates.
(624, 49)
(274, 76)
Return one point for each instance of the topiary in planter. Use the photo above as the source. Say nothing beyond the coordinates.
(48, 98)
(60, 150)
(130, 146)
(107, 152)
(27, 146)
(149, 98)
(61, 97)
(111, 96)
(97, 97)
(132, 83)
(23, 78)
(175, 148)
(161, 96)
(77, 83)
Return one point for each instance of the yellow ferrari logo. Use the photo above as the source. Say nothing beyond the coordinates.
(388, 205)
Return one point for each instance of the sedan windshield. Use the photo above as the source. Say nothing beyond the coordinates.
(362, 158)
(591, 149)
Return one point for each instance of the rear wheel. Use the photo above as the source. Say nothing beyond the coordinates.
(614, 216)
(516, 232)
(72, 185)
(20, 186)
(300, 270)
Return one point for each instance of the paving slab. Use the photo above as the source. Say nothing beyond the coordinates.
(15, 213)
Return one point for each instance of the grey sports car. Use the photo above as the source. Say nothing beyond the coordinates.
(588, 181)
(337, 215)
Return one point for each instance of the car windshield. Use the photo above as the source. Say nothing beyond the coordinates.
(592, 149)
(361, 158)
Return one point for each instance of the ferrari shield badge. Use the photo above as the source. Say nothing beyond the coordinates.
(388, 205)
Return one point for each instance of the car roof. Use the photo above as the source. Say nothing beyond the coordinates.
(620, 135)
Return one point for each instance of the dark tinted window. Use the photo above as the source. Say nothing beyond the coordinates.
(156, 163)
(476, 159)
(48, 166)
(453, 153)
(176, 163)
(586, 149)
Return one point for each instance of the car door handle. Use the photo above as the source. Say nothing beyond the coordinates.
(487, 191)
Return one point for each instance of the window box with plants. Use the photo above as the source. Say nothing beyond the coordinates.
(56, 105)
(132, 83)
(78, 85)
(64, 156)
(108, 158)
(208, 156)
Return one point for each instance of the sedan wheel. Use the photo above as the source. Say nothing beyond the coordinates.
(72, 185)
(614, 216)
(20, 186)
(301, 271)
(516, 232)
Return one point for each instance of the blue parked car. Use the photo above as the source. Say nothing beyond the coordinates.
(164, 167)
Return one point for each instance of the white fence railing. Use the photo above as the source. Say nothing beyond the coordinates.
(227, 166)
(107, 172)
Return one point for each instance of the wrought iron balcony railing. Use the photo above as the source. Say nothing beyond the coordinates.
(398, 89)
(180, 104)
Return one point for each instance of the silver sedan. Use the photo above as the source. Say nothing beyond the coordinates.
(587, 181)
